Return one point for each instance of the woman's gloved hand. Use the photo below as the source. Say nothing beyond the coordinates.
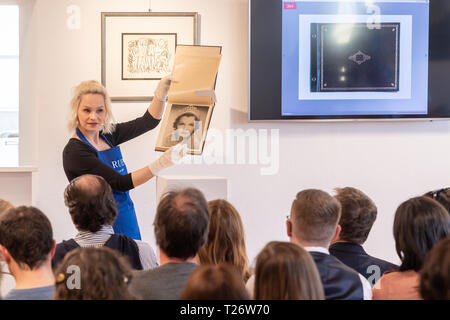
(169, 158)
(163, 87)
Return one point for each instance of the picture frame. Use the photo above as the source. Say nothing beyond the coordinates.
(138, 49)
(183, 123)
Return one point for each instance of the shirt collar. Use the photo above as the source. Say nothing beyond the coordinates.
(317, 249)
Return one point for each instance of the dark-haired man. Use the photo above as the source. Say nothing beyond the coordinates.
(27, 246)
(313, 224)
(181, 227)
(358, 215)
(93, 211)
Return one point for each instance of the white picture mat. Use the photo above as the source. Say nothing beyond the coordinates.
(405, 60)
(115, 26)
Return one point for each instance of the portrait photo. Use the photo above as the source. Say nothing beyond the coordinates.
(187, 124)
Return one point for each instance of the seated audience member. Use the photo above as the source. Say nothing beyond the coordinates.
(357, 217)
(92, 208)
(226, 238)
(313, 224)
(419, 224)
(27, 246)
(442, 196)
(285, 271)
(100, 274)
(215, 282)
(4, 207)
(435, 273)
(181, 228)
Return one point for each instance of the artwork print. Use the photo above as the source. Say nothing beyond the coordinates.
(147, 56)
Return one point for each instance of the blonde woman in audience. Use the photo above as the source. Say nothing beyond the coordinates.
(215, 282)
(419, 224)
(104, 274)
(4, 207)
(226, 238)
(286, 271)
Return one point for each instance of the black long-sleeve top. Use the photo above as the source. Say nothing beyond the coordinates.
(79, 158)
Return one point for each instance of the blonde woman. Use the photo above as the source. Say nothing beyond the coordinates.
(286, 271)
(94, 147)
(226, 238)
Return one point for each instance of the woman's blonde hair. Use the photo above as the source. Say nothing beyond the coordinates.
(5, 206)
(226, 238)
(91, 87)
(286, 271)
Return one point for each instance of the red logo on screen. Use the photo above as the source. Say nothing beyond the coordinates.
(290, 5)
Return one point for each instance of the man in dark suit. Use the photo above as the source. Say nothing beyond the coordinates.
(313, 224)
(358, 215)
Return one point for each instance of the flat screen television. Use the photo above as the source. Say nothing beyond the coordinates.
(349, 59)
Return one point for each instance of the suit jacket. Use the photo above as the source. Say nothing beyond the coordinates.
(339, 281)
(354, 256)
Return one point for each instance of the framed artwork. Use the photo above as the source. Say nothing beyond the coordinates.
(138, 49)
(184, 123)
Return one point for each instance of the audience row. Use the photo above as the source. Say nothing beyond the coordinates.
(202, 251)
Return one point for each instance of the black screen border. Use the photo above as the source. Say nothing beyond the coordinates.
(265, 45)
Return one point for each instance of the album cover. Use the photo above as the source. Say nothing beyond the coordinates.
(355, 57)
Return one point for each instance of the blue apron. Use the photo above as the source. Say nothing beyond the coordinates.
(126, 222)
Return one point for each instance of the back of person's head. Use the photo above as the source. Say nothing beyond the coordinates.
(442, 196)
(215, 282)
(93, 274)
(314, 217)
(419, 224)
(286, 271)
(5, 206)
(435, 273)
(26, 233)
(181, 223)
(91, 202)
(357, 215)
(226, 238)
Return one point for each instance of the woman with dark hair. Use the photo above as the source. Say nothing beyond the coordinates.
(435, 274)
(215, 282)
(419, 224)
(226, 238)
(186, 129)
(440, 195)
(286, 271)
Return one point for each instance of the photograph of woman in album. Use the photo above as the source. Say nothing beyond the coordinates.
(184, 124)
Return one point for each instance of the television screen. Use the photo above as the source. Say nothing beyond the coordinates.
(349, 59)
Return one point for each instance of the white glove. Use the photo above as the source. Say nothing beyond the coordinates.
(163, 87)
(169, 158)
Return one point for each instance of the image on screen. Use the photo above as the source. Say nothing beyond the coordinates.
(354, 57)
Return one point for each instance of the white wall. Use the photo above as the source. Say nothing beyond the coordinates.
(388, 161)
